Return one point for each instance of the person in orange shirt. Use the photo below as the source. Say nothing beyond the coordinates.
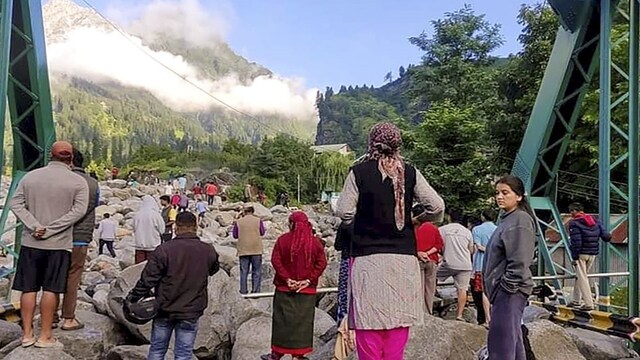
(429, 245)
(211, 190)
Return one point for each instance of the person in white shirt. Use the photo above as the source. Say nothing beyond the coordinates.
(107, 234)
(168, 189)
(458, 248)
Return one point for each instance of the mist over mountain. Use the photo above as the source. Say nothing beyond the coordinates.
(157, 78)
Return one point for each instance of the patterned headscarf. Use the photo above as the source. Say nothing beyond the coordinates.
(302, 233)
(384, 145)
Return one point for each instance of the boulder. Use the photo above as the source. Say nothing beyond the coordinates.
(253, 339)
(101, 302)
(7, 349)
(261, 211)
(225, 218)
(322, 323)
(33, 353)
(324, 352)
(119, 291)
(85, 306)
(551, 342)
(131, 205)
(99, 335)
(597, 346)
(469, 314)
(9, 332)
(455, 340)
(535, 313)
(237, 206)
(227, 256)
(92, 278)
(122, 194)
(117, 184)
(130, 352)
(104, 209)
(103, 262)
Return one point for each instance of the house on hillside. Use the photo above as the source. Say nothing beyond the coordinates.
(343, 149)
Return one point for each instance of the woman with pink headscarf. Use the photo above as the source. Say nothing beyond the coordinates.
(298, 259)
(385, 290)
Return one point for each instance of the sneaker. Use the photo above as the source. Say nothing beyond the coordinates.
(586, 308)
(573, 304)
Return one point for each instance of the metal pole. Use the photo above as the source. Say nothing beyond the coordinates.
(298, 189)
(604, 188)
(634, 53)
(559, 277)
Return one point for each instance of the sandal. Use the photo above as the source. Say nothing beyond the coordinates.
(49, 345)
(74, 327)
(28, 342)
(461, 319)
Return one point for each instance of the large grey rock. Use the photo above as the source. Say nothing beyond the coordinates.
(117, 184)
(131, 352)
(101, 302)
(597, 346)
(551, 342)
(227, 256)
(261, 211)
(324, 352)
(33, 353)
(253, 339)
(119, 291)
(322, 323)
(455, 340)
(99, 335)
(104, 209)
(92, 278)
(225, 218)
(535, 313)
(9, 332)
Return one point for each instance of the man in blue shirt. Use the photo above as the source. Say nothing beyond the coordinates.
(481, 236)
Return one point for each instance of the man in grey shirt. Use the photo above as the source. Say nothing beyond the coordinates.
(458, 248)
(48, 201)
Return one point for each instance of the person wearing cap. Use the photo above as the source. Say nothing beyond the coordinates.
(178, 272)
(48, 201)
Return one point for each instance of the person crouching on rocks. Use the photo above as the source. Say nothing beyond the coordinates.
(298, 259)
(178, 272)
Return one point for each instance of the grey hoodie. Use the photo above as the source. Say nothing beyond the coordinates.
(148, 225)
(509, 255)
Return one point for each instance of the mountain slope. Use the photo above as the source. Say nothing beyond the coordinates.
(109, 121)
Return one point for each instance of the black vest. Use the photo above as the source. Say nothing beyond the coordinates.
(374, 228)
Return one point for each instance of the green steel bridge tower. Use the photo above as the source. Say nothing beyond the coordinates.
(24, 83)
(589, 31)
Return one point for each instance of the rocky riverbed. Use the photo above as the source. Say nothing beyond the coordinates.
(239, 329)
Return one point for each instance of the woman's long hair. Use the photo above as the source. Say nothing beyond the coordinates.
(517, 186)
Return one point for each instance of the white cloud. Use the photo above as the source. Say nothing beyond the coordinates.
(101, 56)
(184, 19)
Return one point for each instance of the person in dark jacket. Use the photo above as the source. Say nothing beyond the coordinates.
(585, 233)
(178, 272)
(82, 237)
(507, 276)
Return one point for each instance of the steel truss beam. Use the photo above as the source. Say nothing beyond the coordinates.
(587, 31)
(24, 82)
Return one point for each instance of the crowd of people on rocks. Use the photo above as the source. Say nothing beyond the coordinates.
(393, 246)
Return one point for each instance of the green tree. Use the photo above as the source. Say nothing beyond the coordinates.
(450, 148)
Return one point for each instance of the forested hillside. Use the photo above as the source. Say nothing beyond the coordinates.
(110, 121)
(464, 112)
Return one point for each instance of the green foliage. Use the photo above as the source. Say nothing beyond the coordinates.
(450, 149)
(330, 169)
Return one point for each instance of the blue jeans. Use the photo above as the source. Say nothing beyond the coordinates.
(186, 331)
(255, 261)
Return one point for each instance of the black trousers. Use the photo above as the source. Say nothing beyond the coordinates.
(109, 247)
(477, 300)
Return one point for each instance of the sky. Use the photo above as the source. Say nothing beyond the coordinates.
(336, 42)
